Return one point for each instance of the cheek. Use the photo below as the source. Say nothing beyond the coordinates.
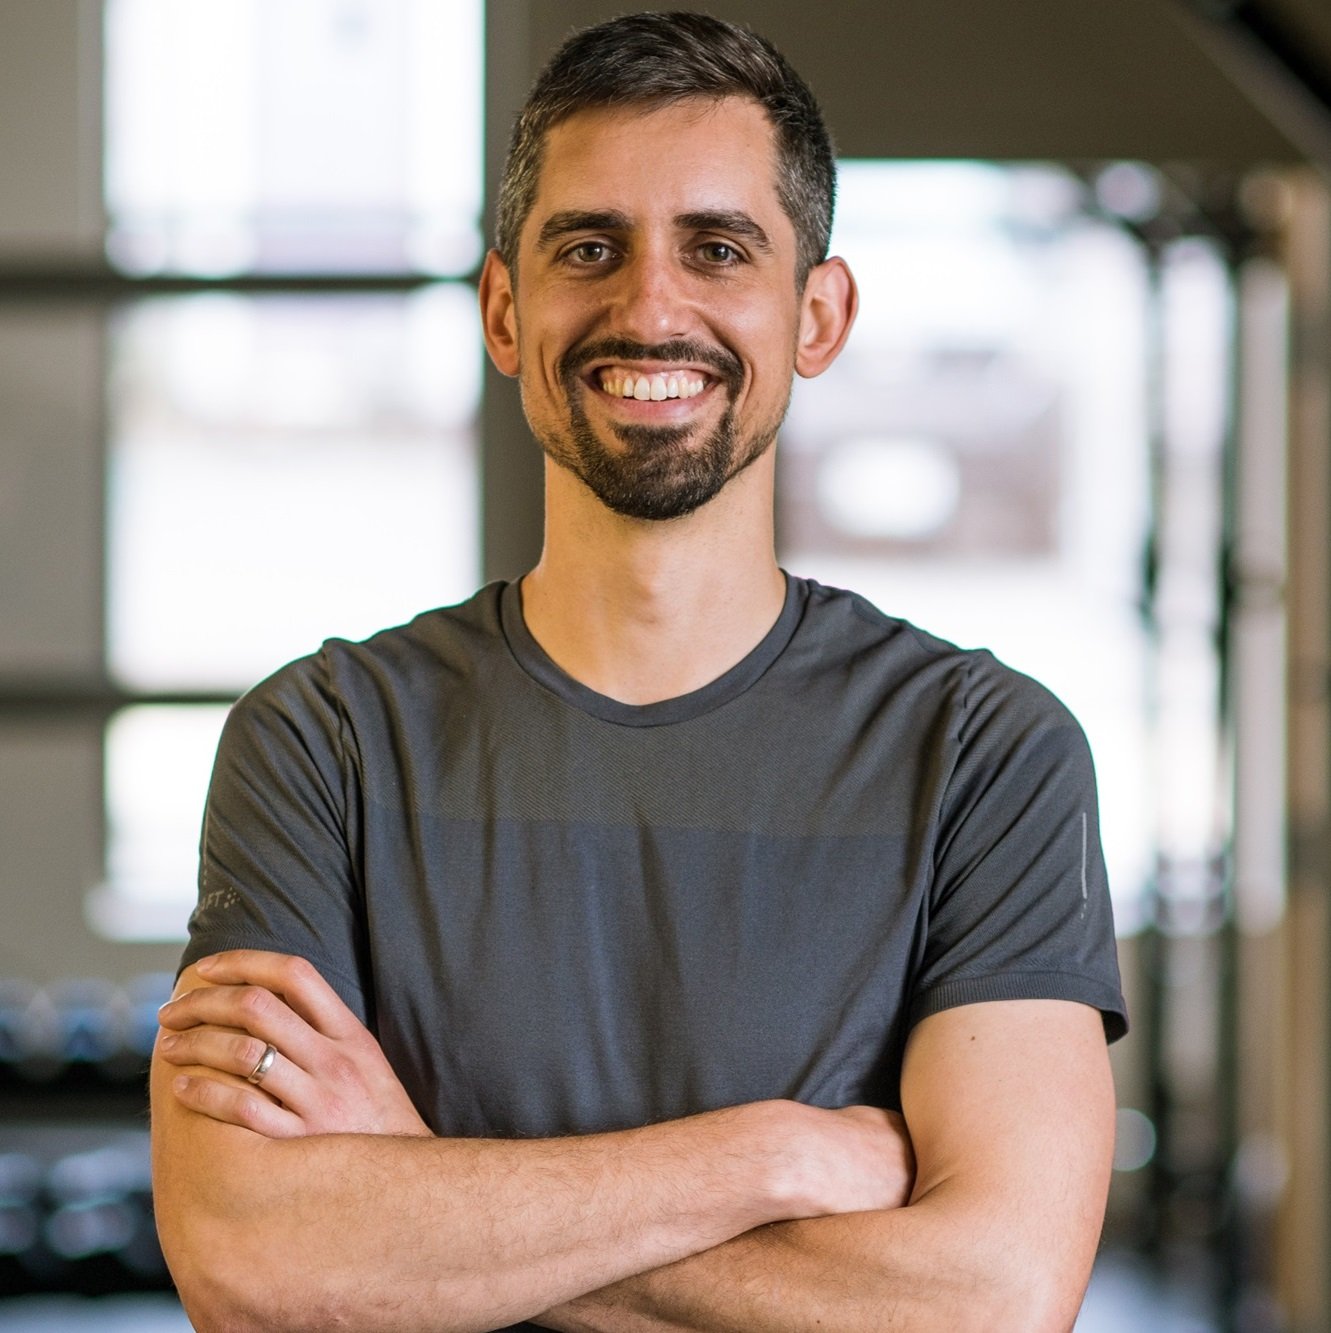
(536, 361)
(541, 346)
(768, 348)
(762, 319)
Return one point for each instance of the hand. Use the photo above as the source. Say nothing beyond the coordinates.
(854, 1159)
(329, 1075)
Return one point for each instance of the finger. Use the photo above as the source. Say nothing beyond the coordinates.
(226, 1051)
(189, 1036)
(296, 979)
(236, 1105)
(237, 1054)
(246, 1010)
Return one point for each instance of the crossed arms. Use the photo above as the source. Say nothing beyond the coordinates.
(324, 1200)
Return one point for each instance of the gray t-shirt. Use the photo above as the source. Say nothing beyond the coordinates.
(562, 914)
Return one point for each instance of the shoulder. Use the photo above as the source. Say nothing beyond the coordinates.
(850, 637)
(447, 641)
(398, 666)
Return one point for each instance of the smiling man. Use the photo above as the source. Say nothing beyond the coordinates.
(666, 396)
(658, 942)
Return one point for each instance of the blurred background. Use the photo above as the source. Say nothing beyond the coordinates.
(1085, 420)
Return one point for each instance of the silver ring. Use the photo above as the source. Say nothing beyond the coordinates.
(260, 1070)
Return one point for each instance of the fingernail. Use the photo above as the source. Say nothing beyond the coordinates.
(161, 1008)
(204, 965)
(180, 1082)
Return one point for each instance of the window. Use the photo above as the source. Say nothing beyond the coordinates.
(284, 468)
(291, 444)
(281, 136)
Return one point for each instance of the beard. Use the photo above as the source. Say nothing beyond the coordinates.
(659, 472)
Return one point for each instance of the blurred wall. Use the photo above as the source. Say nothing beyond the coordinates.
(51, 495)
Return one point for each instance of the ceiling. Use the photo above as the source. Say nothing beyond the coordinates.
(1014, 79)
(1314, 18)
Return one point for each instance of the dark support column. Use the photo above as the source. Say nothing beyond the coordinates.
(1305, 1077)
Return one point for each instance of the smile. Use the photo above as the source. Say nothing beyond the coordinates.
(619, 382)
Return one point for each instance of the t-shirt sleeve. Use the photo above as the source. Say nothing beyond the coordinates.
(276, 863)
(1019, 905)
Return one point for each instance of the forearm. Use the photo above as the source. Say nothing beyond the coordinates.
(932, 1266)
(1011, 1109)
(470, 1234)
(321, 1198)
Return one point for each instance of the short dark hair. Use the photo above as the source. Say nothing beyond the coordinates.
(652, 60)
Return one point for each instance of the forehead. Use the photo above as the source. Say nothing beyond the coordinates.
(661, 161)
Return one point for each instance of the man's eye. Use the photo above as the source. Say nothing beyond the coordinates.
(589, 252)
(719, 252)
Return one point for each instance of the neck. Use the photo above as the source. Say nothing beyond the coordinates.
(644, 611)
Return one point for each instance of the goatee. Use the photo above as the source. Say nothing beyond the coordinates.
(662, 472)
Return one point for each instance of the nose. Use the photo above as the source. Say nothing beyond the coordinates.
(651, 301)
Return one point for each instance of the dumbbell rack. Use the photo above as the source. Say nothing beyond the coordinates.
(75, 1185)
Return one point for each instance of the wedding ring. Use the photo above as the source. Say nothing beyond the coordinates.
(259, 1071)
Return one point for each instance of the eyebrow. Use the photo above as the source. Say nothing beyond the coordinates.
(570, 221)
(559, 225)
(733, 221)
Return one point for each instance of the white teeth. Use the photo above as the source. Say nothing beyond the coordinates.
(655, 388)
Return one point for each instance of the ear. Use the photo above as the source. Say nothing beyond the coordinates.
(499, 321)
(827, 311)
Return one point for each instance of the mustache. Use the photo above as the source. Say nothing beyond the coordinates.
(684, 350)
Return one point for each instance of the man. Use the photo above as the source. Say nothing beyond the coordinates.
(660, 942)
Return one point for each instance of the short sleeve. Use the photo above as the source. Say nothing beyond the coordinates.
(277, 853)
(1019, 906)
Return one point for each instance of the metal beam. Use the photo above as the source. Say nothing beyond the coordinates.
(1277, 65)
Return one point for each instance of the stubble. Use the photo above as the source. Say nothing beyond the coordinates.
(658, 472)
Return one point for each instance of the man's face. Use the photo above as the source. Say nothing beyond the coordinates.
(655, 316)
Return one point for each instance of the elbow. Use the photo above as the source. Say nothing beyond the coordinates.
(218, 1297)
(236, 1264)
(219, 1301)
(208, 1303)
(1034, 1296)
(1030, 1277)
(1012, 1286)
(210, 1308)
(1034, 1311)
(230, 1282)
